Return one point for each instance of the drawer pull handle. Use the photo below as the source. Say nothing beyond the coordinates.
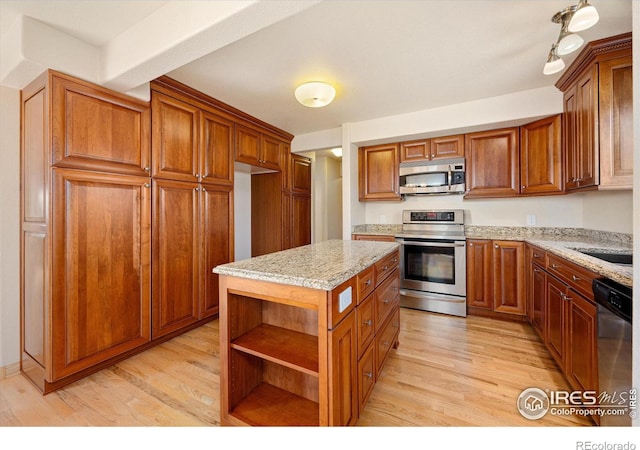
(555, 266)
(535, 255)
(367, 322)
(386, 267)
(385, 301)
(368, 283)
(368, 375)
(537, 270)
(575, 278)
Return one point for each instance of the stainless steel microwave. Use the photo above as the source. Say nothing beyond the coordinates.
(445, 176)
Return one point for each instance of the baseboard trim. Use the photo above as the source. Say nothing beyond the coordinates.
(9, 371)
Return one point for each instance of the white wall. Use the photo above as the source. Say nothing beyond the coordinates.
(9, 226)
(327, 197)
(242, 214)
(608, 211)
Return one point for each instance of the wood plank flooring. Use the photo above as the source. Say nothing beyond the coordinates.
(447, 371)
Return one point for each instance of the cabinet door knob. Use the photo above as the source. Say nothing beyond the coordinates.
(146, 169)
(368, 374)
(147, 185)
(497, 246)
(470, 244)
(367, 322)
(523, 187)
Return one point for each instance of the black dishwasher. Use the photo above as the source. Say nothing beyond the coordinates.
(614, 303)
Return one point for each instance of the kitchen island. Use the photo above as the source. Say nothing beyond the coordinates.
(304, 333)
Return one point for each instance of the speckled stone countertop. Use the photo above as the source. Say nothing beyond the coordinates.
(324, 265)
(564, 242)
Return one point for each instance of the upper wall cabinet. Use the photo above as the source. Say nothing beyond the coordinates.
(258, 149)
(541, 157)
(190, 142)
(378, 172)
(598, 116)
(493, 163)
(94, 128)
(434, 148)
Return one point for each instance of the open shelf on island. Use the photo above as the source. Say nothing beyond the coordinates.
(289, 348)
(268, 404)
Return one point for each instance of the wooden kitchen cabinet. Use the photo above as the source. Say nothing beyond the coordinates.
(299, 174)
(190, 142)
(289, 356)
(495, 277)
(434, 148)
(508, 277)
(373, 237)
(378, 172)
(258, 149)
(85, 234)
(493, 163)
(598, 123)
(479, 273)
(541, 157)
(537, 289)
(192, 233)
(94, 128)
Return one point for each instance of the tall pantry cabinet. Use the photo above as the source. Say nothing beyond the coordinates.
(85, 238)
(125, 207)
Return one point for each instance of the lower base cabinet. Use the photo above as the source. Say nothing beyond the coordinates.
(565, 316)
(290, 357)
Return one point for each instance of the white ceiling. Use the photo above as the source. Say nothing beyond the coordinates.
(384, 57)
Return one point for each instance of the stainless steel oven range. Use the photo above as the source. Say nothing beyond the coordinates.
(433, 261)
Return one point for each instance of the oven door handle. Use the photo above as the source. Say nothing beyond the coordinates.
(431, 244)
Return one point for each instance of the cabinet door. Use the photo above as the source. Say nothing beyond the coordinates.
(247, 145)
(415, 151)
(479, 277)
(98, 129)
(343, 373)
(216, 242)
(101, 262)
(175, 138)
(447, 147)
(216, 149)
(493, 163)
(271, 149)
(537, 298)
(175, 255)
(616, 123)
(378, 173)
(299, 220)
(587, 121)
(541, 156)
(570, 138)
(581, 364)
(556, 320)
(300, 174)
(508, 277)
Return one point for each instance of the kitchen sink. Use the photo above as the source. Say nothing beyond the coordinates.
(615, 258)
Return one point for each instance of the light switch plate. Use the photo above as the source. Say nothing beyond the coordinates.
(344, 299)
(531, 219)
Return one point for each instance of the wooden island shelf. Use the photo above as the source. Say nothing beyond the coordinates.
(303, 333)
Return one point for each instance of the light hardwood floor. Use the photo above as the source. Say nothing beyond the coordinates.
(447, 371)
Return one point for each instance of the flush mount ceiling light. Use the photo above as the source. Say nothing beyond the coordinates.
(585, 16)
(315, 94)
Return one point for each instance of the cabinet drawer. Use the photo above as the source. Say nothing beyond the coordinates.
(365, 323)
(536, 256)
(575, 276)
(387, 297)
(386, 265)
(387, 338)
(366, 375)
(366, 283)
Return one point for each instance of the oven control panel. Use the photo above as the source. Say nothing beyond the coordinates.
(430, 216)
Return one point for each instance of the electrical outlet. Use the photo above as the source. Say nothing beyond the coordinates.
(344, 299)
(383, 218)
(531, 219)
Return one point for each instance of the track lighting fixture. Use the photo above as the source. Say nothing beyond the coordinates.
(571, 19)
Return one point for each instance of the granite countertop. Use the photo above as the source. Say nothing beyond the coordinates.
(324, 265)
(560, 241)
